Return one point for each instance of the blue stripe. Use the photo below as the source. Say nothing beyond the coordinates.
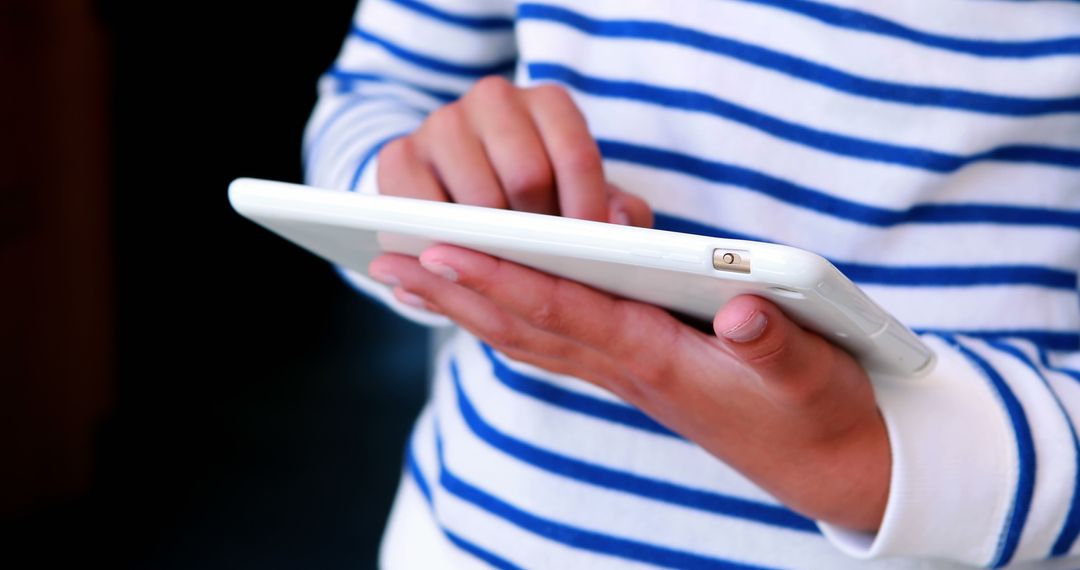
(673, 223)
(869, 23)
(414, 471)
(573, 401)
(486, 556)
(631, 417)
(371, 154)
(600, 476)
(801, 68)
(824, 141)
(1049, 340)
(482, 23)
(1069, 531)
(1064, 157)
(355, 100)
(346, 79)
(338, 113)
(948, 276)
(1044, 359)
(577, 537)
(903, 276)
(432, 63)
(1025, 486)
(827, 204)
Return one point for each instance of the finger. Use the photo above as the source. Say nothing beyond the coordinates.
(402, 172)
(418, 287)
(622, 329)
(574, 156)
(513, 145)
(459, 160)
(628, 209)
(793, 364)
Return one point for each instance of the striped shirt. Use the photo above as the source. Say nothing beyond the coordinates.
(931, 150)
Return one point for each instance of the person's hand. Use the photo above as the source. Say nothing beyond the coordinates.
(783, 406)
(502, 146)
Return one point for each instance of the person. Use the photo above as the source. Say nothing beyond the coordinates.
(932, 154)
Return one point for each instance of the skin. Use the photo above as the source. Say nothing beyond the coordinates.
(783, 406)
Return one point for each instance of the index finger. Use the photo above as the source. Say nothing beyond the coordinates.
(574, 155)
(640, 335)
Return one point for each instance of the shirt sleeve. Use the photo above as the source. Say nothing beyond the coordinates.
(985, 457)
(401, 60)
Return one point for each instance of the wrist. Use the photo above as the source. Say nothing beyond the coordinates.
(842, 481)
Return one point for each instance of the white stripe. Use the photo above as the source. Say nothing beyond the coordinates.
(750, 213)
(338, 165)
(423, 448)
(1005, 20)
(867, 55)
(788, 98)
(590, 507)
(1055, 458)
(413, 539)
(352, 125)
(435, 38)
(611, 445)
(864, 181)
(361, 55)
(488, 531)
(474, 8)
(1016, 307)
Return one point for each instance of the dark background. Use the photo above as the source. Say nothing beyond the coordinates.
(251, 408)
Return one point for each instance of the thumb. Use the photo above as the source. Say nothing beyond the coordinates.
(627, 209)
(790, 361)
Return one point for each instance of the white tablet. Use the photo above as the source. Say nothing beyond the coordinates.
(689, 274)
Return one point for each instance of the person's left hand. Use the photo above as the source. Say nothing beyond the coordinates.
(786, 408)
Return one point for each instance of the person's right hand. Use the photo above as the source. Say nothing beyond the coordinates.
(503, 146)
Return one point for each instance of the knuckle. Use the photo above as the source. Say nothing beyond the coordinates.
(502, 332)
(483, 281)
(487, 200)
(551, 94)
(768, 352)
(582, 157)
(446, 120)
(653, 368)
(529, 179)
(394, 158)
(546, 315)
(492, 88)
(397, 152)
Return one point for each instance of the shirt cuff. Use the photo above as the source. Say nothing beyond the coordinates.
(954, 465)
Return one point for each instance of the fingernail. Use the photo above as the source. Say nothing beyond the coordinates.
(440, 269)
(749, 329)
(618, 215)
(386, 279)
(411, 299)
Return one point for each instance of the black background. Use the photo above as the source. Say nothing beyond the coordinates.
(261, 405)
